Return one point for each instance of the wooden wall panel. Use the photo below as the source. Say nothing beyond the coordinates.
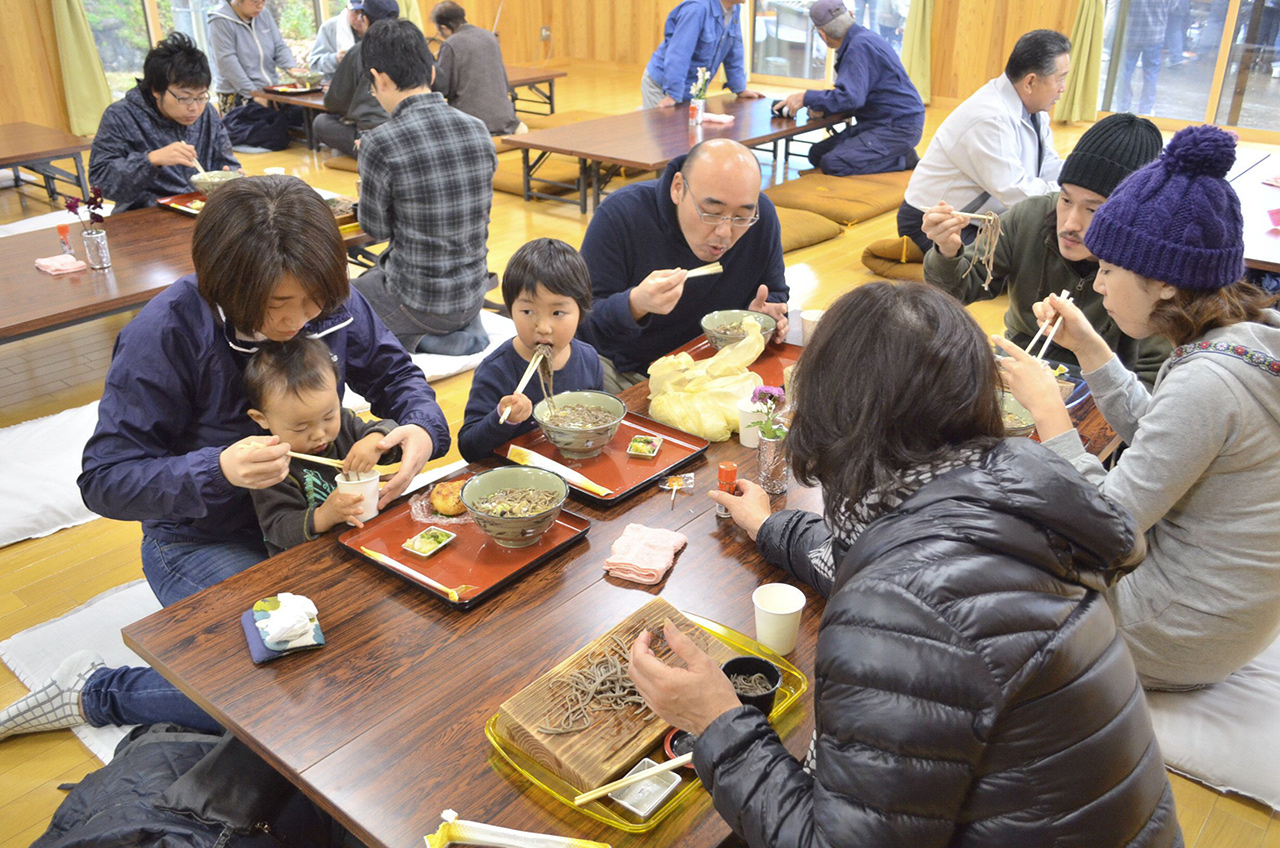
(972, 38)
(30, 75)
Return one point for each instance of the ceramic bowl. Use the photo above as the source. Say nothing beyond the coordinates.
(1017, 420)
(514, 531)
(581, 443)
(210, 180)
(712, 321)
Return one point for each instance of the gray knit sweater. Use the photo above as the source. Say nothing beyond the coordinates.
(1202, 478)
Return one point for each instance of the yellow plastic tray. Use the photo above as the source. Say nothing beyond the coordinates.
(606, 810)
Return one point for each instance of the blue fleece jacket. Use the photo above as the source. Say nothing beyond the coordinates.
(871, 84)
(133, 127)
(173, 401)
(635, 232)
(694, 36)
(497, 376)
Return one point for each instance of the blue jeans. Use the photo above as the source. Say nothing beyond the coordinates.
(123, 696)
(1150, 55)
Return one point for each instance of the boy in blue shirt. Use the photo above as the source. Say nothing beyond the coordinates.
(548, 289)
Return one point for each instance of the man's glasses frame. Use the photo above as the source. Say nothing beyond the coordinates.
(715, 220)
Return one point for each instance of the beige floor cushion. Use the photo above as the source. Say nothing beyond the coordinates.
(801, 228)
(845, 200)
(342, 163)
(895, 259)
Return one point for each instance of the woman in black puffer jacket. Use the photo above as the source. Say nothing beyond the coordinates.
(970, 685)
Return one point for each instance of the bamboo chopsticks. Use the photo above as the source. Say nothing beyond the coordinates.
(524, 381)
(705, 270)
(1065, 295)
(319, 460)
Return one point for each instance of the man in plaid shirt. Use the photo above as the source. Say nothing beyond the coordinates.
(426, 180)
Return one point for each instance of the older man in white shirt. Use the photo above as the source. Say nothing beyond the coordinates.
(996, 148)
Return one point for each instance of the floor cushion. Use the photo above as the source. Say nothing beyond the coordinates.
(1226, 735)
(342, 163)
(845, 200)
(801, 228)
(895, 259)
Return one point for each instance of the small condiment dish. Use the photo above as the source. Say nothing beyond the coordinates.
(646, 796)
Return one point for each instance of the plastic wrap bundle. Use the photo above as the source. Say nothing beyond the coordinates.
(702, 397)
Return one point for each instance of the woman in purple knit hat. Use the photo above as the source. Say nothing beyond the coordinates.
(1202, 470)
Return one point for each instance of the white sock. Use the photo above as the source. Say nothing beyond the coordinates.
(57, 703)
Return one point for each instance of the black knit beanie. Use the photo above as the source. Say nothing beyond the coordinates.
(1111, 150)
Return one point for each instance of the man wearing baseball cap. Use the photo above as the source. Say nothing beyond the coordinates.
(872, 87)
(1041, 248)
(351, 108)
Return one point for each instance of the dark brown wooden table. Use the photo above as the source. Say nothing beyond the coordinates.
(648, 139)
(533, 79)
(384, 726)
(31, 146)
(150, 248)
(1261, 237)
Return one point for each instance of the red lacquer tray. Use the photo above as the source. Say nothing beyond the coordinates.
(182, 202)
(471, 559)
(293, 88)
(768, 365)
(613, 468)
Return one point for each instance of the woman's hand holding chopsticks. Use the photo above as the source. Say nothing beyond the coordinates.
(1034, 386)
(1073, 332)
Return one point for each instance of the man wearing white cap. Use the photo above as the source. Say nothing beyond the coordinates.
(872, 87)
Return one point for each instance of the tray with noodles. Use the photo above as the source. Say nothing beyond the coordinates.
(293, 88)
(472, 565)
(188, 204)
(615, 468)
(567, 764)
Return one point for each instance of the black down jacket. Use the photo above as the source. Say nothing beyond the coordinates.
(970, 686)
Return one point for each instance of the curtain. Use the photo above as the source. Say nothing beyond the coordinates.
(83, 79)
(917, 38)
(411, 10)
(1080, 101)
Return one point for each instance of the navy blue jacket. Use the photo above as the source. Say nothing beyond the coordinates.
(497, 376)
(133, 127)
(635, 232)
(871, 83)
(173, 401)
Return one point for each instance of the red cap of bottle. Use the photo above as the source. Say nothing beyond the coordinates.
(64, 229)
(728, 472)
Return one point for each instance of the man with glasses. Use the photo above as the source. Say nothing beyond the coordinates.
(706, 207)
(149, 143)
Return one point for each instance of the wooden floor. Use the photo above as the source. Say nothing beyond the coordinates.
(44, 578)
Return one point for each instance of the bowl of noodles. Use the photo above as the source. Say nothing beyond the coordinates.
(515, 505)
(580, 424)
(724, 327)
(1017, 420)
(206, 182)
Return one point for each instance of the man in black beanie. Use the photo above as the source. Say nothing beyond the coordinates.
(1041, 246)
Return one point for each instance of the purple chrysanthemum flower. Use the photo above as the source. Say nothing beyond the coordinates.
(771, 395)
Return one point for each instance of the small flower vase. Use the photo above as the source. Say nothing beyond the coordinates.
(771, 464)
(96, 252)
(697, 108)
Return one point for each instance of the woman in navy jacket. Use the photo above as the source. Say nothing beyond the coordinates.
(175, 448)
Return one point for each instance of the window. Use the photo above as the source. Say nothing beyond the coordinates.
(786, 44)
(120, 33)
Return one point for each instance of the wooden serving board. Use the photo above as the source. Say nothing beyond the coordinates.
(616, 740)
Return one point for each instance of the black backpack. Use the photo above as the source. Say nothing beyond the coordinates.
(169, 787)
(257, 126)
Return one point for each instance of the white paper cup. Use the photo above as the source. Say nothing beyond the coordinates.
(749, 437)
(809, 323)
(778, 607)
(365, 484)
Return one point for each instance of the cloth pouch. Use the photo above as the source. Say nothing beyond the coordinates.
(259, 627)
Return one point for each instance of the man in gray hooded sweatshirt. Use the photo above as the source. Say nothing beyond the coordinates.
(246, 47)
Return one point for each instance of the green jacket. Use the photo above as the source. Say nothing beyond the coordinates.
(1029, 267)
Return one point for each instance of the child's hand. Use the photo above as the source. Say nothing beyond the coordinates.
(521, 408)
(338, 508)
(364, 454)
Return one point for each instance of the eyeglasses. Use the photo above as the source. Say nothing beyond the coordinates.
(198, 100)
(716, 220)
